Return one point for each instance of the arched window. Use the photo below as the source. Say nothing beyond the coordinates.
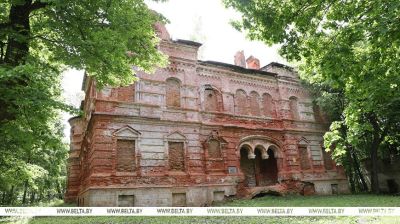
(173, 93)
(293, 106)
(210, 100)
(268, 105)
(241, 102)
(255, 104)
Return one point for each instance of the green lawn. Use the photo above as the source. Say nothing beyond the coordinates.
(362, 200)
(267, 201)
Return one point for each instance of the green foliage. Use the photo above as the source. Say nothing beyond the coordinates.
(38, 40)
(350, 47)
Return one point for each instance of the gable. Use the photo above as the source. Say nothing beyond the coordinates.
(177, 136)
(127, 132)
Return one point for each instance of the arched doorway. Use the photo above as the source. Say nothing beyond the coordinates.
(259, 166)
(266, 171)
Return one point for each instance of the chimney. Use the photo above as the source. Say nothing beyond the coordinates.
(253, 63)
(239, 59)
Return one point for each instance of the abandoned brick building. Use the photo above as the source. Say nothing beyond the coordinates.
(197, 131)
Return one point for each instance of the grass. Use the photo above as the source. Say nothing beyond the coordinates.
(267, 201)
(361, 200)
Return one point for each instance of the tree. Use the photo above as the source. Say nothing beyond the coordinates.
(351, 46)
(38, 40)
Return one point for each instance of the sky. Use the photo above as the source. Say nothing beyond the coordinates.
(205, 21)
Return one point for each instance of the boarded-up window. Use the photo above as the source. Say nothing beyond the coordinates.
(176, 156)
(173, 93)
(293, 106)
(210, 100)
(241, 102)
(126, 93)
(126, 200)
(328, 163)
(304, 159)
(125, 155)
(268, 105)
(254, 104)
(214, 149)
(178, 199)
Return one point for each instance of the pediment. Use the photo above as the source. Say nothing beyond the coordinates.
(303, 141)
(176, 136)
(127, 132)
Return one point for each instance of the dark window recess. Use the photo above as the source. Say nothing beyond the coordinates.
(335, 188)
(392, 186)
(126, 200)
(179, 199)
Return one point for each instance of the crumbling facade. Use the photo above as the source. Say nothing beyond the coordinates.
(196, 132)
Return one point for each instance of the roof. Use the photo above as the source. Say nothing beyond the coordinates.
(236, 68)
(187, 42)
(276, 64)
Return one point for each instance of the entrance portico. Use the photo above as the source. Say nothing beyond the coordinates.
(260, 160)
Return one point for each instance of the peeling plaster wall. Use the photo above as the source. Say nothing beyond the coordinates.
(209, 107)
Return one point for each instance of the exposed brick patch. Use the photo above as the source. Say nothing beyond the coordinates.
(241, 103)
(255, 104)
(304, 159)
(125, 155)
(214, 149)
(173, 93)
(176, 156)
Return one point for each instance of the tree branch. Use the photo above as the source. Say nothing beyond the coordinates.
(37, 5)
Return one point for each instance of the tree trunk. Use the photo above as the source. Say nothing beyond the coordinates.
(25, 191)
(59, 191)
(32, 197)
(11, 196)
(364, 186)
(349, 171)
(378, 136)
(374, 168)
(17, 49)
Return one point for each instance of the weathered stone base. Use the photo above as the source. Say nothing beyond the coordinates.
(155, 196)
(328, 187)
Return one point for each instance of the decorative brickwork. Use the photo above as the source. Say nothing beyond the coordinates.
(195, 132)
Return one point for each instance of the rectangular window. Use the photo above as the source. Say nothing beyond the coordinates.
(304, 159)
(219, 195)
(126, 200)
(179, 199)
(125, 155)
(214, 149)
(176, 156)
(335, 188)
